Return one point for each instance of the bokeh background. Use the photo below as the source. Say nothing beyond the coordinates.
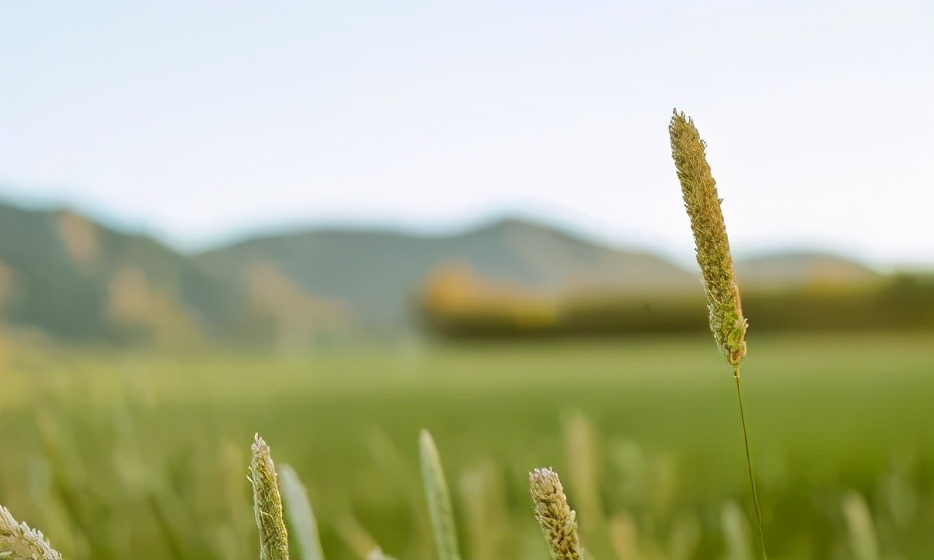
(338, 223)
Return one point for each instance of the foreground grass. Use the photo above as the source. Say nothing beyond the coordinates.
(116, 456)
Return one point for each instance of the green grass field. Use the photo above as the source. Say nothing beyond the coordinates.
(133, 456)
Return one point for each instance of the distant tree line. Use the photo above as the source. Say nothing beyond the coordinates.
(456, 304)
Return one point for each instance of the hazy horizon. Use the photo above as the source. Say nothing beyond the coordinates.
(199, 125)
(672, 256)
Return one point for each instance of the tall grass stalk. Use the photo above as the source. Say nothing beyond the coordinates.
(300, 515)
(439, 499)
(390, 461)
(716, 263)
(624, 536)
(355, 536)
(486, 509)
(862, 532)
(735, 532)
(584, 468)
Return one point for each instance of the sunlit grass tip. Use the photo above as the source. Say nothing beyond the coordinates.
(19, 541)
(267, 504)
(710, 239)
(439, 499)
(862, 532)
(556, 518)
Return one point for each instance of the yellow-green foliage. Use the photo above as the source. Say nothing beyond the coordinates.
(89, 481)
(710, 240)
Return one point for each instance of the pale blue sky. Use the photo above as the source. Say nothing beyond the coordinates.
(199, 121)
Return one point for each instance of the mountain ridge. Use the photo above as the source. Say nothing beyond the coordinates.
(74, 277)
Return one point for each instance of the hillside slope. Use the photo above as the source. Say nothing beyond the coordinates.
(378, 272)
(68, 276)
(74, 278)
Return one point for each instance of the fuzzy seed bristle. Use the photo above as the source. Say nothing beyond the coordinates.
(19, 542)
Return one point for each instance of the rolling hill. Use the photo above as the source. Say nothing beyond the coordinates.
(377, 272)
(72, 278)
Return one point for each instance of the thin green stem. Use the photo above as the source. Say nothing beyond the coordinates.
(752, 478)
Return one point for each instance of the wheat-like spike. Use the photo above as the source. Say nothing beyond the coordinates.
(710, 240)
(19, 542)
(267, 504)
(439, 499)
(555, 517)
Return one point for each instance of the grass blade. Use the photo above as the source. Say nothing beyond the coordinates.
(300, 516)
(439, 499)
(862, 532)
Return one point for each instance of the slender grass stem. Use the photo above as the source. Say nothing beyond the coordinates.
(752, 477)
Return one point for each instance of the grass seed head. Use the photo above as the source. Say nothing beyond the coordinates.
(555, 517)
(19, 542)
(267, 504)
(710, 240)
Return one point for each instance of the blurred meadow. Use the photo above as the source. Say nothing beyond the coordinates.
(120, 455)
(336, 225)
(134, 377)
